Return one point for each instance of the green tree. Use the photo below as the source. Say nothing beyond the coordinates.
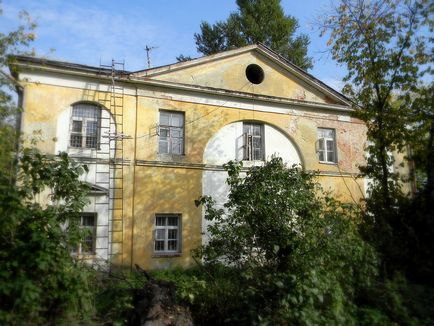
(294, 257)
(182, 58)
(256, 21)
(422, 142)
(40, 282)
(11, 43)
(417, 216)
(386, 48)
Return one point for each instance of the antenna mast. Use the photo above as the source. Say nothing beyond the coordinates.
(148, 50)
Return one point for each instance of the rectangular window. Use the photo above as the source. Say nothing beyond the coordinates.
(167, 237)
(253, 134)
(171, 133)
(88, 227)
(327, 145)
(85, 125)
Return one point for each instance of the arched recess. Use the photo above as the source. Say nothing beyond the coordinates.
(229, 144)
(104, 124)
(91, 126)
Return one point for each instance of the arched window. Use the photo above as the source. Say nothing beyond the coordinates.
(85, 126)
(253, 136)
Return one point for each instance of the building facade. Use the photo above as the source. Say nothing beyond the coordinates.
(156, 140)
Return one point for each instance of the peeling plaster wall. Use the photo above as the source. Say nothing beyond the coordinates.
(102, 227)
(230, 73)
(155, 183)
(226, 145)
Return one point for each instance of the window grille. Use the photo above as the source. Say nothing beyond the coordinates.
(253, 141)
(171, 133)
(327, 145)
(85, 126)
(167, 233)
(88, 227)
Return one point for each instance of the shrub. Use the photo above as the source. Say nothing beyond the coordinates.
(39, 280)
(292, 253)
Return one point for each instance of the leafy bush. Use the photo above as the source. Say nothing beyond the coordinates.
(39, 280)
(114, 294)
(292, 253)
(210, 294)
(281, 252)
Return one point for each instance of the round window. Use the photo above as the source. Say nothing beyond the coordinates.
(255, 74)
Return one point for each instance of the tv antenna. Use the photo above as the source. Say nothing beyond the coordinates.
(148, 49)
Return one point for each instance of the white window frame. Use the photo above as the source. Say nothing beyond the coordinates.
(250, 139)
(170, 133)
(162, 232)
(88, 230)
(85, 120)
(323, 148)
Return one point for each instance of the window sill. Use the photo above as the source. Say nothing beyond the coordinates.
(328, 163)
(82, 152)
(171, 157)
(84, 256)
(253, 160)
(167, 255)
(248, 163)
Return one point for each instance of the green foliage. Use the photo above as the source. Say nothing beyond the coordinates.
(188, 282)
(114, 294)
(418, 299)
(412, 238)
(422, 138)
(383, 304)
(291, 256)
(11, 43)
(182, 58)
(256, 21)
(40, 199)
(119, 294)
(386, 48)
(39, 280)
(14, 41)
(209, 293)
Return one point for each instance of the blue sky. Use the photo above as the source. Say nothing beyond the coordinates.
(89, 31)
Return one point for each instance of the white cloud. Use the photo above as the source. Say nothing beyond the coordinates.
(88, 34)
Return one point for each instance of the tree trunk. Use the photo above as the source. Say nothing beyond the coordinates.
(155, 305)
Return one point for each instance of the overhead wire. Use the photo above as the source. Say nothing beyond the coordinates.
(253, 109)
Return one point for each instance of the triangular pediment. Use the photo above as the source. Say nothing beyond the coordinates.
(227, 71)
(96, 190)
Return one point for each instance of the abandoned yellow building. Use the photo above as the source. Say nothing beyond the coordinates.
(155, 140)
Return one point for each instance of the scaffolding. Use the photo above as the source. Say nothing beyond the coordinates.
(109, 160)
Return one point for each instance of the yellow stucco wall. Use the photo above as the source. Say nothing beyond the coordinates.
(229, 73)
(150, 187)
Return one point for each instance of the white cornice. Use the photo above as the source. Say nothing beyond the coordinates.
(30, 73)
(260, 49)
(144, 75)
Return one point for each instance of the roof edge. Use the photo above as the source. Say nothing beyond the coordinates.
(268, 52)
(63, 64)
(23, 60)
